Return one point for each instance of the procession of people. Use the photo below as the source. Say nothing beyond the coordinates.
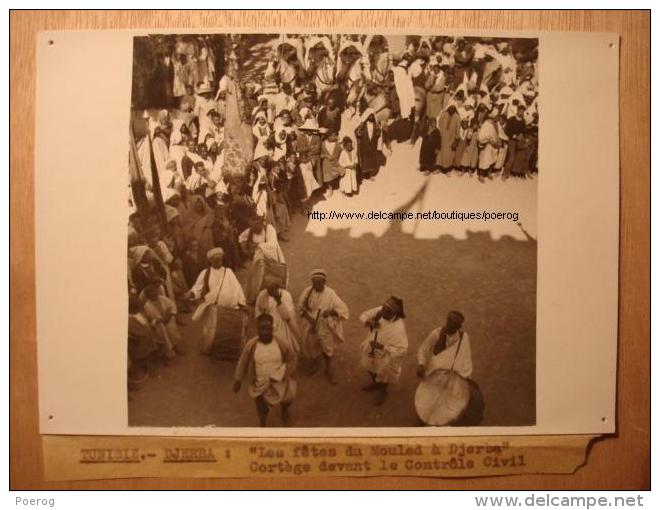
(215, 182)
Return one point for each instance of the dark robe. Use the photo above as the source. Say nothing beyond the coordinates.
(449, 125)
(224, 237)
(369, 157)
(525, 147)
(187, 166)
(241, 211)
(296, 192)
(330, 168)
(142, 275)
(462, 61)
(310, 143)
(514, 129)
(430, 143)
(193, 264)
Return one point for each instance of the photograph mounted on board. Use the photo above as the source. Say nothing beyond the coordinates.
(332, 230)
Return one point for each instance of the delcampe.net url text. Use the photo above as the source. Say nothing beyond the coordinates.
(405, 216)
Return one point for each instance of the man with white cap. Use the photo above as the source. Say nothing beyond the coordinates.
(218, 287)
(385, 346)
(323, 313)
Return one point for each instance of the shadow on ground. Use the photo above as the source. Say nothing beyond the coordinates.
(493, 282)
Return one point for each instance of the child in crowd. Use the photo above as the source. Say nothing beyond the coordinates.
(348, 165)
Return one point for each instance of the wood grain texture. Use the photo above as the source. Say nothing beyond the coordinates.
(621, 462)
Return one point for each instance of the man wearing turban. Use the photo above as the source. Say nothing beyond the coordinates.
(385, 346)
(322, 312)
(217, 287)
(446, 348)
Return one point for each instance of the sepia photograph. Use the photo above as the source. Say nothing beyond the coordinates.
(332, 230)
(326, 248)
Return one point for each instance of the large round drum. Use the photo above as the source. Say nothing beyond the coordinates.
(442, 397)
(230, 333)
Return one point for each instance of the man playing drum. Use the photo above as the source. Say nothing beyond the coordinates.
(440, 349)
(447, 395)
(219, 288)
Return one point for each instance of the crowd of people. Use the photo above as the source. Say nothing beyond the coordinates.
(324, 115)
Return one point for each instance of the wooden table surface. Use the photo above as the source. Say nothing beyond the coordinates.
(621, 462)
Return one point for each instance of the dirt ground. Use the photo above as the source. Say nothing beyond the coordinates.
(491, 280)
(485, 270)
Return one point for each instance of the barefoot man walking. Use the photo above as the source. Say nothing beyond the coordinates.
(323, 313)
(268, 365)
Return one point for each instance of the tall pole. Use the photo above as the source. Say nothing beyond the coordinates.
(155, 185)
(137, 179)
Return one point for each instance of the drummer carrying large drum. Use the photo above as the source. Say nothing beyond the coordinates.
(440, 349)
(447, 395)
(218, 288)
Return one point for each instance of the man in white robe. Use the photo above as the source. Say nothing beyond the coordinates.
(383, 350)
(446, 348)
(260, 196)
(159, 146)
(213, 129)
(489, 145)
(219, 288)
(278, 303)
(508, 63)
(259, 241)
(323, 313)
(403, 85)
(268, 366)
